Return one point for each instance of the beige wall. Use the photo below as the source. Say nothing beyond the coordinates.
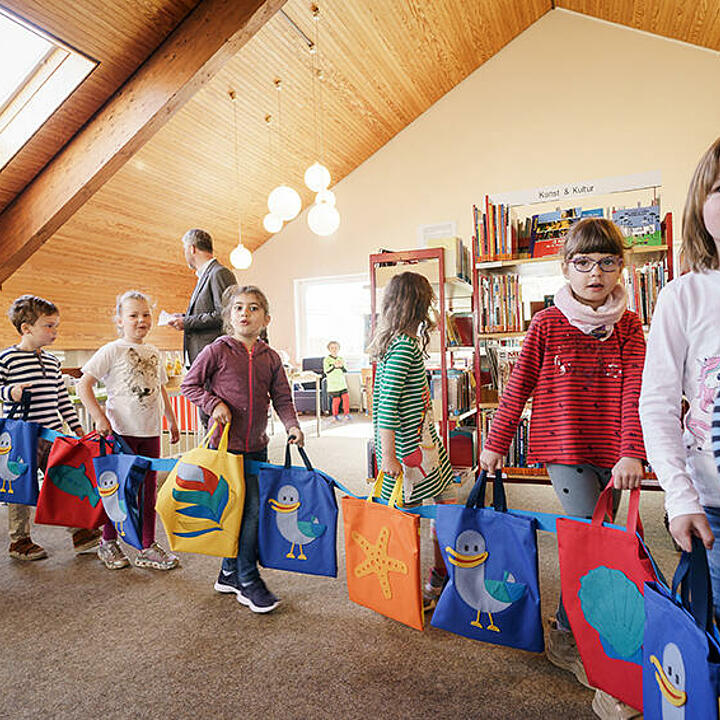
(570, 99)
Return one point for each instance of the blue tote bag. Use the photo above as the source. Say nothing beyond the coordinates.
(18, 455)
(119, 481)
(681, 654)
(298, 518)
(492, 593)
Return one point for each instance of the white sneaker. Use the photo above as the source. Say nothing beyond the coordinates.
(157, 557)
(607, 707)
(112, 555)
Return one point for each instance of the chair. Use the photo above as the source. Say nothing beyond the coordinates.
(304, 393)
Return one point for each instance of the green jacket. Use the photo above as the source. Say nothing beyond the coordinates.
(335, 375)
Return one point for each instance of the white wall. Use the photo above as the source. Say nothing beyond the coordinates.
(570, 99)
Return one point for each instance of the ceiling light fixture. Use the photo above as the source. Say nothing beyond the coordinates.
(240, 257)
(283, 202)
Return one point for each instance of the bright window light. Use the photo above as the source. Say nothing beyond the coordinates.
(333, 308)
(21, 50)
(38, 74)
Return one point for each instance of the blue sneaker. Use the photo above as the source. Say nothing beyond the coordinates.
(227, 582)
(257, 597)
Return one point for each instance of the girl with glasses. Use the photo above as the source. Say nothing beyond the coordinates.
(582, 362)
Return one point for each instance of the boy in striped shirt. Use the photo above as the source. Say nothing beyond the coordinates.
(26, 366)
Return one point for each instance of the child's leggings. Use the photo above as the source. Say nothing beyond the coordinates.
(578, 488)
(149, 447)
(345, 403)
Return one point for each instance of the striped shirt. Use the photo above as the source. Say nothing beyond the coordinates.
(585, 393)
(715, 431)
(49, 398)
(401, 399)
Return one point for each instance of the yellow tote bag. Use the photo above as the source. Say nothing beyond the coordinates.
(201, 502)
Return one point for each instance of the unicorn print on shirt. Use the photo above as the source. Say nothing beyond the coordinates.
(697, 420)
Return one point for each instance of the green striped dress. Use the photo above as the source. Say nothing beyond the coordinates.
(401, 402)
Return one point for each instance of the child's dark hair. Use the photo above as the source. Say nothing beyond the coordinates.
(698, 250)
(594, 235)
(28, 308)
(407, 300)
(232, 292)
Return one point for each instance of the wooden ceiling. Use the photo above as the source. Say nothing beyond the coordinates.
(384, 64)
(119, 34)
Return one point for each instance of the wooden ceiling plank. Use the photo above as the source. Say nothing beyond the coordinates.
(190, 57)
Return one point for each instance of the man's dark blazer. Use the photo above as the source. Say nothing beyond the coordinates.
(203, 321)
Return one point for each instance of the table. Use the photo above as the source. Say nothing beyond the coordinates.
(303, 377)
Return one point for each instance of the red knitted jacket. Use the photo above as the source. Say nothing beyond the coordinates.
(585, 393)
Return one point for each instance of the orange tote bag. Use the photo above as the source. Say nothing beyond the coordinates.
(382, 555)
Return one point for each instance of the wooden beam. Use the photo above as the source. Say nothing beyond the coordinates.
(188, 59)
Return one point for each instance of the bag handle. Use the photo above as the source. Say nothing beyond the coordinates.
(476, 498)
(604, 508)
(223, 444)
(693, 578)
(303, 455)
(22, 406)
(396, 495)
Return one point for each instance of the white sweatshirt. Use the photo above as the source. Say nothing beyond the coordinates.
(683, 358)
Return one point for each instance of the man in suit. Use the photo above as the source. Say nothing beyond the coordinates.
(202, 322)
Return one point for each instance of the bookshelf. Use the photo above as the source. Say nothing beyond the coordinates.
(497, 249)
(453, 294)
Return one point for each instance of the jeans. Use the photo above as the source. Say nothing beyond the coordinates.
(713, 516)
(245, 564)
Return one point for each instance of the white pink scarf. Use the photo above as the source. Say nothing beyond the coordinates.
(598, 323)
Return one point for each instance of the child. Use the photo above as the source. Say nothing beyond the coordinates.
(684, 360)
(581, 360)
(334, 369)
(27, 366)
(233, 380)
(134, 377)
(406, 440)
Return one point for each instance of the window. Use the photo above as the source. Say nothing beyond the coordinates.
(38, 75)
(333, 308)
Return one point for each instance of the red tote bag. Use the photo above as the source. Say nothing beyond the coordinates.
(69, 495)
(602, 572)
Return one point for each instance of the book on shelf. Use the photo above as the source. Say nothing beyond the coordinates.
(643, 284)
(459, 329)
(641, 225)
(517, 453)
(501, 308)
(461, 391)
(496, 232)
(457, 258)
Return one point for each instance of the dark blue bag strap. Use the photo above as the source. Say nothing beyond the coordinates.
(693, 578)
(303, 455)
(122, 445)
(22, 407)
(476, 498)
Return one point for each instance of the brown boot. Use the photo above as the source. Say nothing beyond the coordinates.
(84, 540)
(26, 549)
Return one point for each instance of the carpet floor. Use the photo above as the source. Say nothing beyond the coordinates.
(79, 641)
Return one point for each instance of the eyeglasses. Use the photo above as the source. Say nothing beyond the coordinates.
(606, 264)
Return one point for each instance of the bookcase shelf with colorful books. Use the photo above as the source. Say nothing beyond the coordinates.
(516, 271)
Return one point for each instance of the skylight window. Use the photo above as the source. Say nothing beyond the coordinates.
(38, 74)
(21, 51)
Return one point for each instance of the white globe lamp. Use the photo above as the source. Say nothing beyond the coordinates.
(326, 197)
(284, 202)
(317, 177)
(241, 257)
(272, 223)
(323, 219)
